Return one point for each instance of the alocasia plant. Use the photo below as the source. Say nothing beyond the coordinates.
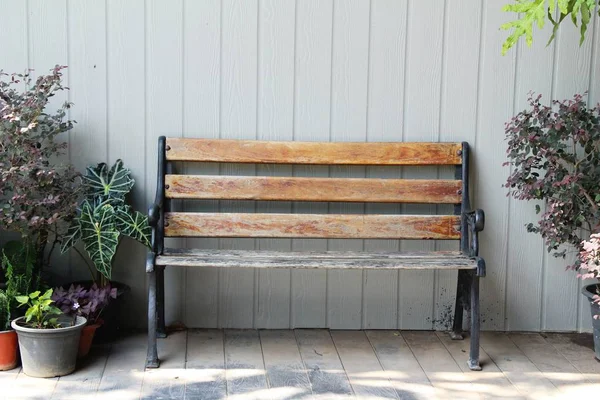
(104, 216)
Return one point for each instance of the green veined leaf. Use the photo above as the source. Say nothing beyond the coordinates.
(114, 183)
(22, 299)
(135, 225)
(34, 295)
(99, 234)
(71, 237)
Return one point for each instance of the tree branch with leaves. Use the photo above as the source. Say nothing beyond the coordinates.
(538, 12)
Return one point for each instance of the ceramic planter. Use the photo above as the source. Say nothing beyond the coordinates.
(87, 336)
(590, 291)
(8, 350)
(46, 353)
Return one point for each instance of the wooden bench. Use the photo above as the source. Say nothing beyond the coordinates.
(463, 225)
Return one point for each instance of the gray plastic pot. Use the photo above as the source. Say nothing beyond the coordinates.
(590, 291)
(46, 353)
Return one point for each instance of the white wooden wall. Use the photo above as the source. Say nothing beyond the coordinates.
(339, 70)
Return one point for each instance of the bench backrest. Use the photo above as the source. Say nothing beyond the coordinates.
(277, 188)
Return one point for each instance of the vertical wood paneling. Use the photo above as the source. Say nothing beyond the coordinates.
(47, 24)
(87, 79)
(275, 121)
(585, 322)
(458, 110)
(378, 70)
(421, 123)
(126, 132)
(164, 111)
(238, 120)
(384, 123)
(572, 75)
(312, 102)
(201, 118)
(348, 123)
(495, 107)
(14, 37)
(524, 269)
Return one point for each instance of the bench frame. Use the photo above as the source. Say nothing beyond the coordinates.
(467, 296)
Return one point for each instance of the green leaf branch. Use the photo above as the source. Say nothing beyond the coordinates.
(537, 12)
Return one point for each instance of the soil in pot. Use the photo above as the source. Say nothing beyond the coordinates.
(9, 350)
(46, 353)
(87, 336)
(590, 291)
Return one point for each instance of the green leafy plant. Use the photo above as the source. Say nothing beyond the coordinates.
(38, 194)
(41, 313)
(105, 216)
(536, 12)
(18, 262)
(5, 311)
(554, 152)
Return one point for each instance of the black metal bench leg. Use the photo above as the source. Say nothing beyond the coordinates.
(474, 350)
(461, 295)
(152, 357)
(161, 331)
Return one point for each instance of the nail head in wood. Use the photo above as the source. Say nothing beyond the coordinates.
(459, 191)
(459, 152)
(168, 148)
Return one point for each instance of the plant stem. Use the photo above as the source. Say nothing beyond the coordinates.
(86, 263)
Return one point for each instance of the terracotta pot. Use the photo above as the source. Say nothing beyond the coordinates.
(9, 347)
(87, 336)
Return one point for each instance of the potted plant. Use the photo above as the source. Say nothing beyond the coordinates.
(8, 337)
(88, 303)
(554, 152)
(38, 194)
(18, 266)
(103, 218)
(48, 339)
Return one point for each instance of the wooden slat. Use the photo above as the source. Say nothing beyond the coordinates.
(346, 153)
(328, 260)
(312, 226)
(208, 187)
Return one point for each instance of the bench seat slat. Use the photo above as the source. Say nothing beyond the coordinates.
(331, 260)
(259, 225)
(211, 187)
(326, 153)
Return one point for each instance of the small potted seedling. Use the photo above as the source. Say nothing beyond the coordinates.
(48, 339)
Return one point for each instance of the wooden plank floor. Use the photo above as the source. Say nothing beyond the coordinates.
(210, 364)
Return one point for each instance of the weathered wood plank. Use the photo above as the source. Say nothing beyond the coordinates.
(245, 369)
(210, 187)
(515, 365)
(124, 370)
(315, 254)
(555, 367)
(401, 367)
(238, 259)
(168, 381)
(321, 360)
(283, 362)
(349, 153)
(205, 362)
(490, 382)
(362, 366)
(438, 364)
(577, 348)
(312, 226)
